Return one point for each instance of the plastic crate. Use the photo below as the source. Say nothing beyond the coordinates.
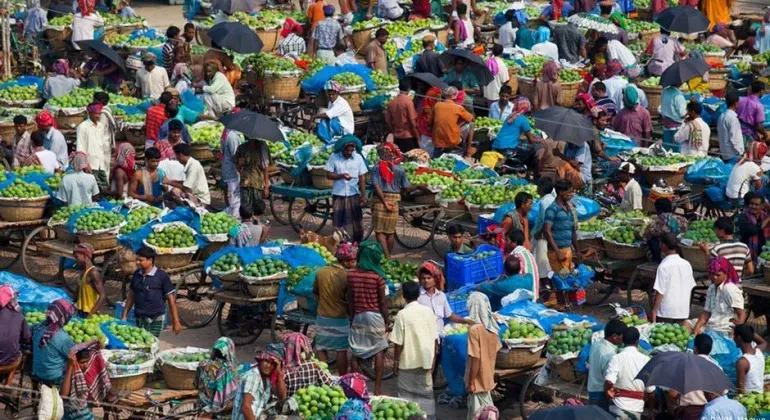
(462, 272)
(485, 220)
(459, 307)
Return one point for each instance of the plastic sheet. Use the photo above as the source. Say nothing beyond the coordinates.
(708, 172)
(546, 317)
(581, 278)
(316, 83)
(115, 343)
(31, 295)
(454, 355)
(191, 101)
(134, 240)
(24, 81)
(305, 289)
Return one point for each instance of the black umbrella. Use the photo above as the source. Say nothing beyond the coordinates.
(684, 372)
(475, 63)
(232, 6)
(567, 412)
(253, 126)
(428, 78)
(683, 19)
(101, 48)
(564, 124)
(682, 71)
(235, 36)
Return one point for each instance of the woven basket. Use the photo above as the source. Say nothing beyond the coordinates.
(570, 91)
(624, 252)
(169, 261)
(58, 37)
(428, 199)
(452, 210)
(269, 38)
(129, 383)
(517, 358)
(176, 378)
(7, 130)
(319, 179)
(100, 240)
(203, 36)
(135, 136)
(595, 243)
(717, 79)
(513, 79)
(671, 178)
(354, 100)
(201, 152)
(15, 210)
(63, 234)
(361, 39)
(648, 36)
(697, 259)
(282, 87)
(70, 122)
(653, 98)
(442, 36)
(527, 88)
(567, 373)
(264, 289)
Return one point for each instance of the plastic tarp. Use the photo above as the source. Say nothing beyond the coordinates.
(134, 240)
(316, 83)
(584, 207)
(304, 288)
(24, 81)
(616, 143)
(724, 351)
(454, 354)
(547, 318)
(191, 101)
(32, 296)
(708, 172)
(579, 279)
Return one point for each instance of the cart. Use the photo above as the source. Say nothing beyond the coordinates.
(12, 235)
(155, 403)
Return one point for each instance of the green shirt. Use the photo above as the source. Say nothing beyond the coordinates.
(602, 352)
(465, 249)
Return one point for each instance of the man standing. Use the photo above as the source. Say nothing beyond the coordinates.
(252, 161)
(401, 118)
(376, 58)
(633, 120)
(170, 48)
(632, 199)
(673, 286)
(599, 92)
(621, 386)
(230, 175)
(54, 139)
(326, 34)
(500, 77)
(151, 80)
(731, 144)
(150, 290)
(694, 135)
(92, 139)
(107, 120)
(507, 35)
(733, 250)
(602, 351)
(84, 22)
(560, 228)
(483, 345)
(346, 167)
(751, 113)
(196, 186)
(153, 121)
(414, 334)
(429, 61)
(570, 42)
(91, 296)
(452, 125)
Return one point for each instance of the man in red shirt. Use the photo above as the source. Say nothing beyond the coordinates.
(156, 116)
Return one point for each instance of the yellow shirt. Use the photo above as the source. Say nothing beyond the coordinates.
(87, 294)
(415, 330)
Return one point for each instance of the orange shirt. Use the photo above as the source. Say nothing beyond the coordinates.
(447, 117)
(315, 13)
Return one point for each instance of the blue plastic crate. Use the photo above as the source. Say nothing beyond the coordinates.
(459, 307)
(484, 222)
(461, 271)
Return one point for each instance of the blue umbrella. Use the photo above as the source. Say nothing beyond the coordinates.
(235, 36)
(685, 372)
(568, 412)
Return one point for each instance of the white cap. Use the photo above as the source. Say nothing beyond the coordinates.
(627, 167)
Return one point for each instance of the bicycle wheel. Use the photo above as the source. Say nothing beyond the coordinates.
(241, 329)
(11, 241)
(532, 398)
(278, 208)
(312, 215)
(414, 231)
(438, 238)
(367, 223)
(36, 262)
(368, 368)
(196, 309)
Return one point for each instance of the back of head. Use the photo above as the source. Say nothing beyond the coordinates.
(757, 87)
(165, 98)
(510, 14)
(411, 291)
(663, 205)
(670, 241)
(245, 212)
(614, 327)
(497, 50)
(102, 98)
(171, 111)
(152, 153)
(512, 265)
(732, 98)
(516, 236)
(20, 120)
(631, 337)
(694, 107)
(404, 85)
(563, 185)
(172, 32)
(600, 86)
(340, 47)
(38, 138)
(703, 344)
(182, 149)
(745, 333)
(545, 185)
(725, 224)
(462, 9)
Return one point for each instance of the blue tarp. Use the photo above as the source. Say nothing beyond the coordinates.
(316, 83)
(546, 317)
(32, 296)
(134, 240)
(710, 171)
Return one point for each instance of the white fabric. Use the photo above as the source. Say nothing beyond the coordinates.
(83, 27)
(51, 404)
(741, 176)
(548, 49)
(348, 57)
(682, 136)
(389, 9)
(720, 302)
(632, 199)
(675, 281)
(755, 377)
(152, 83)
(91, 139)
(622, 371)
(172, 169)
(617, 51)
(507, 35)
(354, 166)
(48, 161)
(341, 110)
(492, 90)
(469, 42)
(195, 180)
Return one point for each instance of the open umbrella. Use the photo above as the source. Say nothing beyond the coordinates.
(101, 48)
(564, 124)
(568, 412)
(253, 126)
(683, 19)
(235, 36)
(684, 372)
(682, 71)
(232, 6)
(475, 64)
(428, 78)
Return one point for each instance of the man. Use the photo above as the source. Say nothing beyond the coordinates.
(84, 22)
(326, 34)
(196, 186)
(19, 147)
(462, 73)
(547, 197)
(174, 119)
(731, 144)
(78, 187)
(337, 120)
(376, 58)
(599, 92)
(218, 94)
(602, 351)
(150, 290)
(499, 79)
(107, 120)
(151, 80)
(483, 345)
(547, 48)
(416, 341)
(346, 167)
(300, 371)
(452, 125)
(694, 135)
(724, 299)
(45, 158)
(15, 331)
(560, 228)
(502, 108)
(632, 199)
(230, 175)
(750, 367)
(751, 113)
(690, 405)
(428, 61)
(634, 120)
(722, 407)
(511, 280)
(258, 386)
(747, 172)
(54, 139)
(456, 235)
(91, 297)
(252, 162)
(621, 386)
(733, 250)
(147, 183)
(332, 322)
(515, 239)
(401, 118)
(170, 48)
(153, 121)
(62, 82)
(673, 286)
(665, 51)
(189, 32)
(570, 42)
(431, 295)
(507, 35)
(92, 139)
(342, 56)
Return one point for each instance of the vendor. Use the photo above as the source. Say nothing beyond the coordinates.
(674, 282)
(621, 385)
(85, 363)
(515, 121)
(483, 345)
(15, 332)
(292, 45)
(62, 82)
(51, 345)
(102, 72)
(502, 108)
(337, 119)
(665, 222)
(724, 299)
(735, 251)
(518, 217)
(456, 235)
(561, 228)
(634, 120)
(461, 72)
(218, 94)
(500, 75)
(78, 187)
(91, 297)
(251, 231)
(602, 351)
(632, 199)
(347, 167)
(754, 223)
(54, 139)
(746, 175)
(723, 37)
(751, 112)
(42, 157)
(125, 166)
(195, 187)
(548, 90)
(224, 64)
(432, 286)
(694, 134)
(299, 370)
(750, 367)
(511, 280)
(258, 386)
(147, 183)
(151, 80)
(665, 51)
(217, 378)
(673, 107)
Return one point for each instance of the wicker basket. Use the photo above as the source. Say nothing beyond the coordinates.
(282, 87)
(567, 373)
(201, 152)
(454, 209)
(361, 39)
(672, 178)
(428, 199)
(203, 36)
(517, 358)
(169, 261)
(624, 252)
(264, 289)
(70, 122)
(717, 79)
(595, 244)
(570, 91)
(129, 383)
(698, 260)
(135, 136)
(354, 100)
(442, 36)
(648, 36)
(319, 179)
(269, 38)
(176, 378)
(513, 79)
(527, 88)
(100, 241)
(16, 210)
(63, 234)
(653, 98)
(7, 130)
(58, 37)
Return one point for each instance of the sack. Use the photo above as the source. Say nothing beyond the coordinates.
(51, 404)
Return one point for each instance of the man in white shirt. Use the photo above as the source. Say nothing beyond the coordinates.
(729, 129)
(548, 49)
(626, 392)
(674, 282)
(602, 351)
(92, 139)
(492, 90)
(632, 199)
(507, 34)
(746, 172)
(151, 80)
(724, 305)
(694, 134)
(196, 186)
(337, 120)
(45, 158)
(218, 95)
(83, 25)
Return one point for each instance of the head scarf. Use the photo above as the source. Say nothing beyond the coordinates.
(756, 150)
(614, 68)
(290, 26)
(86, 7)
(387, 158)
(61, 66)
(84, 248)
(370, 257)
(328, 9)
(339, 146)
(596, 110)
(346, 251)
(219, 378)
(720, 28)
(182, 70)
(451, 93)
(95, 108)
(79, 161)
(480, 312)
(630, 96)
(44, 119)
(166, 149)
(272, 357)
(58, 315)
(550, 71)
(125, 158)
(333, 86)
(587, 99)
(93, 382)
(8, 298)
(542, 34)
(354, 386)
(722, 265)
(435, 272)
(295, 344)
(521, 105)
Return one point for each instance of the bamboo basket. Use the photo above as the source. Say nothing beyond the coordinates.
(129, 383)
(282, 87)
(648, 36)
(264, 289)
(201, 152)
(527, 88)
(624, 252)
(570, 91)
(361, 38)
(269, 38)
(63, 234)
(58, 37)
(672, 178)
(452, 210)
(698, 260)
(169, 261)
(135, 136)
(594, 243)
(176, 378)
(513, 79)
(354, 100)
(319, 179)
(717, 79)
(100, 241)
(517, 358)
(70, 122)
(442, 35)
(653, 98)
(567, 373)
(203, 36)
(22, 210)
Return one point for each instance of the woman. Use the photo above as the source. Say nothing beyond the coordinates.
(51, 345)
(182, 77)
(548, 91)
(15, 333)
(482, 350)
(762, 42)
(257, 387)
(300, 371)
(518, 218)
(61, 83)
(357, 406)
(722, 37)
(292, 45)
(665, 222)
(125, 166)
(599, 53)
(717, 11)
(753, 223)
(217, 378)
(85, 381)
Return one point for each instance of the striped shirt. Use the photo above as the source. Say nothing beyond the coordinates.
(737, 253)
(364, 285)
(528, 265)
(562, 221)
(169, 51)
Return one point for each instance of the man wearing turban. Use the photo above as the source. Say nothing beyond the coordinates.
(337, 120)
(60, 83)
(93, 141)
(54, 139)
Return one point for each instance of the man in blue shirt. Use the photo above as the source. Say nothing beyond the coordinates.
(561, 228)
(722, 407)
(346, 167)
(514, 126)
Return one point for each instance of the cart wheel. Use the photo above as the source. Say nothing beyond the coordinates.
(278, 213)
(196, 309)
(367, 366)
(414, 231)
(242, 330)
(533, 398)
(6, 165)
(38, 265)
(310, 214)
(438, 239)
(11, 241)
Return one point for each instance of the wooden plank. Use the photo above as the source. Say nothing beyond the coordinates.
(138, 398)
(758, 290)
(195, 265)
(502, 374)
(64, 249)
(26, 223)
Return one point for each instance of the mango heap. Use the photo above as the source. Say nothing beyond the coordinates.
(54, 181)
(666, 160)
(268, 62)
(63, 214)
(187, 357)
(139, 217)
(455, 191)
(98, 219)
(87, 330)
(622, 234)
(209, 134)
(637, 47)
(457, 329)
(527, 331)
(704, 48)
(35, 317)
(633, 321)
(284, 157)
(642, 4)
(328, 256)
(134, 119)
(767, 364)
(22, 171)
(486, 122)
(636, 26)
(267, 19)
(21, 189)
(264, 267)
(348, 79)
(765, 255)
(476, 256)
(470, 173)
(399, 272)
(213, 223)
(593, 226)
(372, 157)
(196, 49)
(131, 335)
(530, 189)
(756, 403)
(145, 41)
(628, 215)
(298, 138)
(275, 148)
(534, 65)
(669, 334)
(702, 231)
(129, 358)
(320, 158)
(320, 402)
(369, 23)
(78, 98)
(296, 275)
(569, 76)
(227, 263)
(570, 341)
(431, 179)
(115, 38)
(20, 93)
(62, 20)
(650, 81)
(111, 19)
(533, 12)
(443, 163)
(123, 100)
(397, 410)
(383, 80)
(490, 195)
(172, 237)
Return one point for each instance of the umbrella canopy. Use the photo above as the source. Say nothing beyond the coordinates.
(564, 124)
(428, 78)
(684, 372)
(683, 19)
(682, 71)
(475, 64)
(232, 6)
(566, 412)
(235, 36)
(105, 50)
(253, 126)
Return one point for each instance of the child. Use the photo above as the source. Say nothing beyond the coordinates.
(91, 296)
(251, 231)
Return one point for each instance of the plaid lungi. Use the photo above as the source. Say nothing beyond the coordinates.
(385, 221)
(347, 210)
(153, 325)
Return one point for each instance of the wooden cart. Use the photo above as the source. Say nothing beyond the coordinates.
(12, 235)
(155, 403)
